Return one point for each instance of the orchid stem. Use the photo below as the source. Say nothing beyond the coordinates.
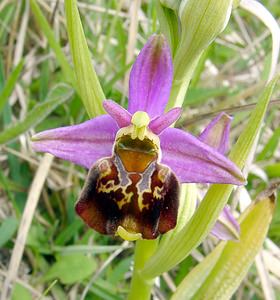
(140, 287)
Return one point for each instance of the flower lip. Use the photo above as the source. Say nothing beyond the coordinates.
(132, 204)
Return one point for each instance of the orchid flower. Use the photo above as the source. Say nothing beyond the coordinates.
(136, 161)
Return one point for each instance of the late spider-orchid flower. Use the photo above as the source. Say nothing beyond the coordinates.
(136, 161)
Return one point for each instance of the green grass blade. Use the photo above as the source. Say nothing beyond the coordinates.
(10, 84)
(214, 201)
(46, 29)
(270, 147)
(57, 96)
(87, 81)
(237, 258)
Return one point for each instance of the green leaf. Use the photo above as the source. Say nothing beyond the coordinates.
(236, 257)
(217, 196)
(21, 293)
(10, 84)
(45, 27)
(88, 84)
(56, 96)
(193, 281)
(7, 230)
(229, 261)
(71, 268)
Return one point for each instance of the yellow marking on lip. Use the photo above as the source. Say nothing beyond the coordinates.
(104, 169)
(140, 199)
(109, 187)
(157, 192)
(126, 199)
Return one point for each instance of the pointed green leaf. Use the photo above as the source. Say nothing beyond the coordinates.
(193, 281)
(214, 201)
(87, 81)
(220, 273)
(46, 29)
(10, 84)
(57, 96)
(237, 257)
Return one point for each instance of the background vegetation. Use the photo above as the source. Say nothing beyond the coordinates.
(35, 95)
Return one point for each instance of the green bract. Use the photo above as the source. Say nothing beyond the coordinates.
(190, 27)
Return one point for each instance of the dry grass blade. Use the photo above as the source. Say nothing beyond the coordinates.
(264, 277)
(29, 210)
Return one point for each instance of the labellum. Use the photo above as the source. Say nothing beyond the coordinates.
(131, 189)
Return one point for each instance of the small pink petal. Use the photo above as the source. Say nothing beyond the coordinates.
(158, 124)
(117, 112)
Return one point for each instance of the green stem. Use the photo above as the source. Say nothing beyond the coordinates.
(140, 287)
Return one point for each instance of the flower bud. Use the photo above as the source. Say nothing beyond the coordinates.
(190, 26)
(201, 21)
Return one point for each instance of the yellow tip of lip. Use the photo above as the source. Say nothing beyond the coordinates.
(128, 236)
